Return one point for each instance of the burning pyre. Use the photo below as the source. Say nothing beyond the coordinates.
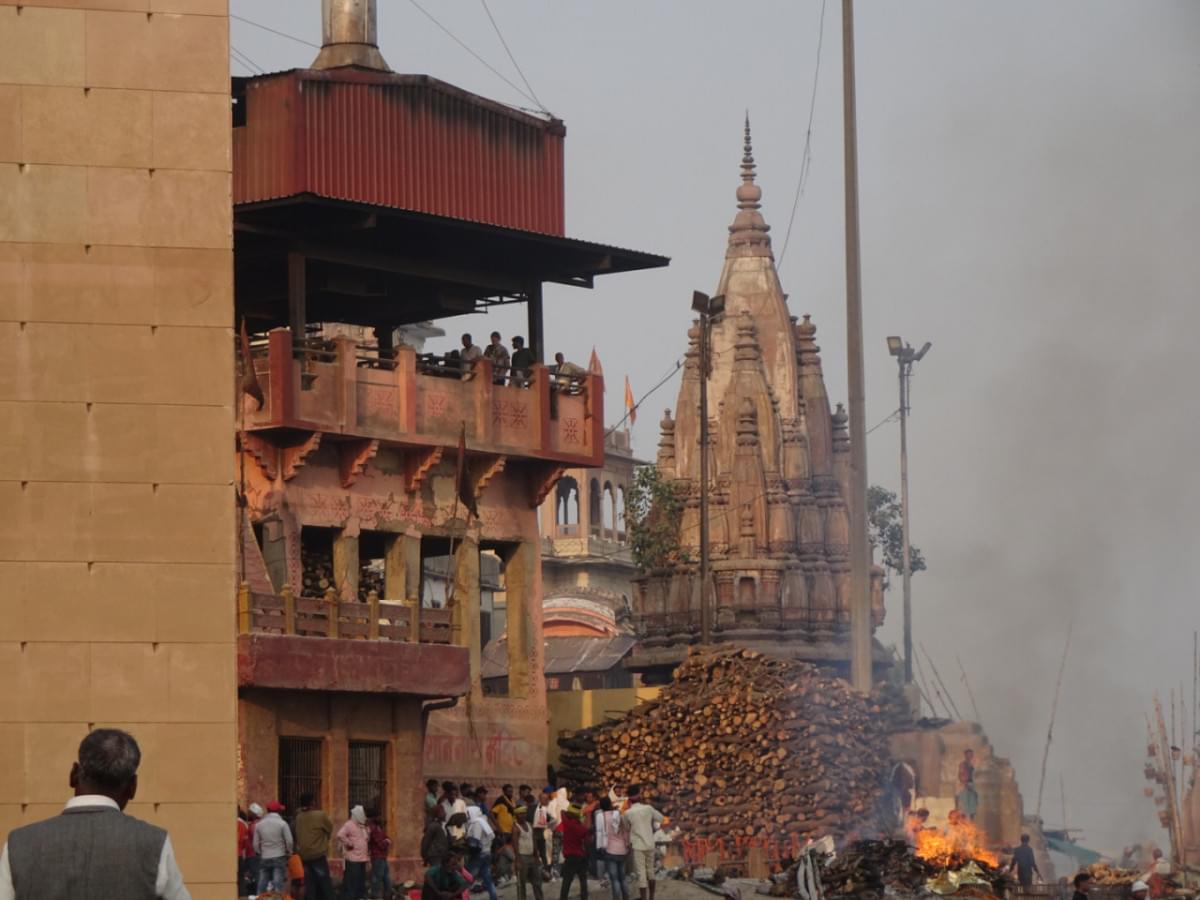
(953, 861)
(953, 848)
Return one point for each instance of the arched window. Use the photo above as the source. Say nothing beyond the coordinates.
(610, 511)
(566, 502)
(621, 512)
(594, 507)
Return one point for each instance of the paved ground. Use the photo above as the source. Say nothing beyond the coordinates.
(667, 889)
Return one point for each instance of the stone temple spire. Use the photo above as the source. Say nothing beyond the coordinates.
(748, 233)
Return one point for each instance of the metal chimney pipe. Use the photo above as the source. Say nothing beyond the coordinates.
(349, 36)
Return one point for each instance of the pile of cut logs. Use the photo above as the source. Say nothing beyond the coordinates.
(371, 578)
(746, 744)
(317, 564)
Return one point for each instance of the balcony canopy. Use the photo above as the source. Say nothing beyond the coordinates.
(378, 266)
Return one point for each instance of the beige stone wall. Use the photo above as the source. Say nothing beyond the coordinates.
(116, 386)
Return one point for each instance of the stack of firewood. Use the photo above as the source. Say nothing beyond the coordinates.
(317, 565)
(747, 744)
(371, 578)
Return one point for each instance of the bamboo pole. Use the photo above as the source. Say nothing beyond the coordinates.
(1053, 712)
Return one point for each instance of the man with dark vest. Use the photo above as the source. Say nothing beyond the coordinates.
(93, 849)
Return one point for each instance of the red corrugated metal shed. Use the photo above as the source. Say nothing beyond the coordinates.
(405, 141)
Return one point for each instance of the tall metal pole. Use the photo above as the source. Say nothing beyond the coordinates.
(860, 549)
(705, 611)
(905, 369)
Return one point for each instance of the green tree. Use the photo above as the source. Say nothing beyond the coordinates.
(883, 511)
(653, 509)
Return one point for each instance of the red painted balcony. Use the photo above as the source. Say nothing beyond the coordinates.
(325, 644)
(340, 387)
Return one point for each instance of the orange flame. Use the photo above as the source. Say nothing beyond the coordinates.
(955, 847)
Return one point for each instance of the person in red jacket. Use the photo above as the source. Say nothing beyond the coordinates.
(378, 844)
(574, 844)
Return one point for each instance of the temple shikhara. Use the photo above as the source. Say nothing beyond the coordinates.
(779, 469)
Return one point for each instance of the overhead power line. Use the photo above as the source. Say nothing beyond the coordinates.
(450, 34)
(513, 59)
(806, 156)
(245, 61)
(275, 31)
(646, 396)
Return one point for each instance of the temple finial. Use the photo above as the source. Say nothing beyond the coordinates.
(748, 233)
(747, 154)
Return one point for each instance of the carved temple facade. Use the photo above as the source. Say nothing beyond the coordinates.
(779, 470)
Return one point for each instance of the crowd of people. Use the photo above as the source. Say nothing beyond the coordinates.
(507, 368)
(471, 844)
(275, 854)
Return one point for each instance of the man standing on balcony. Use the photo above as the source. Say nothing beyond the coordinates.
(498, 354)
(313, 831)
(470, 353)
(522, 362)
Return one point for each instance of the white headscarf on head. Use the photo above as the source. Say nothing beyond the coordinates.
(256, 810)
(359, 815)
(479, 828)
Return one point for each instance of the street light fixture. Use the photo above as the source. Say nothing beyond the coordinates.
(905, 357)
(709, 308)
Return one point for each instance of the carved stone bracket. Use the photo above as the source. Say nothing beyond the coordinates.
(293, 458)
(417, 465)
(485, 471)
(265, 454)
(353, 457)
(544, 481)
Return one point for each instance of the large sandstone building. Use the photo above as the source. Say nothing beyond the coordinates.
(365, 202)
(779, 477)
(116, 383)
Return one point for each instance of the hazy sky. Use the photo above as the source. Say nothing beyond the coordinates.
(1030, 204)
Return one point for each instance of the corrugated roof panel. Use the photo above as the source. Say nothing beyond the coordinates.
(403, 141)
(564, 655)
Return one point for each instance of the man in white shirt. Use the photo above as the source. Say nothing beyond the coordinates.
(470, 352)
(125, 857)
(555, 808)
(643, 819)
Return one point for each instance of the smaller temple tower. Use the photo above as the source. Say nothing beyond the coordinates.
(779, 468)
(586, 562)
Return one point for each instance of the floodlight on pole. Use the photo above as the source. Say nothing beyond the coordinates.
(708, 308)
(905, 357)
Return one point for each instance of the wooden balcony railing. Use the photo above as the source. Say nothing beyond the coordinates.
(341, 387)
(329, 616)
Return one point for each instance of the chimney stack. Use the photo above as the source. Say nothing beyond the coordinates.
(348, 36)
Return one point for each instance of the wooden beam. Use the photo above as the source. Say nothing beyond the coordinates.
(297, 295)
(537, 335)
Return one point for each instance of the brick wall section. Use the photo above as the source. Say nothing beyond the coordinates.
(116, 389)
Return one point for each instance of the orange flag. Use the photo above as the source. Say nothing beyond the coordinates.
(630, 406)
